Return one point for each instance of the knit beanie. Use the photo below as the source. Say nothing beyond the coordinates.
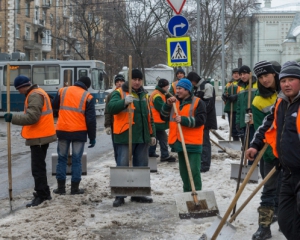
(235, 70)
(193, 77)
(163, 82)
(136, 73)
(86, 81)
(263, 67)
(290, 69)
(21, 81)
(244, 69)
(185, 83)
(276, 66)
(119, 77)
(180, 70)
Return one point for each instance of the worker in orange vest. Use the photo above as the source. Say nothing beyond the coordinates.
(180, 73)
(76, 122)
(38, 130)
(192, 117)
(281, 129)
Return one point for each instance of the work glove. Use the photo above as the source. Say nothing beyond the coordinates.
(224, 97)
(152, 141)
(128, 99)
(92, 142)
(8, 117)
(237, 127)
(232, 98)
(108, 130)
(248, 118)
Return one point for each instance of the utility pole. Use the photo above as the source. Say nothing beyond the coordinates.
(198, 37)
(223, 56)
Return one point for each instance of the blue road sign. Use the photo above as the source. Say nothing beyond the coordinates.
(178, 25)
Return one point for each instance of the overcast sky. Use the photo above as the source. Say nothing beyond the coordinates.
(275, 3)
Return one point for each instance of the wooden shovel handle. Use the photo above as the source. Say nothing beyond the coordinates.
(8, 134)
(253, 194)
(186, 157)
(238, 194)
(130, 113)
(231, 113)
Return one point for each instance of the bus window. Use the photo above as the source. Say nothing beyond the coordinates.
(68, 75)
(45, 75)
(82, 73)
(97, 79)
(16, 71)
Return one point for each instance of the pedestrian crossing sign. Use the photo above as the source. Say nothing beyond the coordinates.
(179, 52)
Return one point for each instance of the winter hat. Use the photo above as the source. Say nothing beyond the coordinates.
(235, 70)
(136, 73)
(244, 69)
(276, 66)
(163, 82)
(86, 81)
(193, 77)
(119, 77)
(290, 69)
(185, 83)
(21, 81)
(180, 70)
(263, 67)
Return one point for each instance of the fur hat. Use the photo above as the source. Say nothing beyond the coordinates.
(136, 73)
(244, 69)
(21, 81)
(185, 83)
(290, 69)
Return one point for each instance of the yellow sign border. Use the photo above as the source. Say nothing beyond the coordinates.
(188, 54)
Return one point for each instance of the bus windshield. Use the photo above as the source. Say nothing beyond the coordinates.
(97, 79)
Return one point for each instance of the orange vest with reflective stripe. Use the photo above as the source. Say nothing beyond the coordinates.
(191, 135)
(174, 84)
(121, 120)
(271, 134)
(155, 113)
(72, 109)
(45, 126)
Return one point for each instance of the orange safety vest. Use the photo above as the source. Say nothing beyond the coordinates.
(121, 120)
(271, 134)
(45, 125)
(174, 84)
(155, 113)
(191, 135)
(72, 109)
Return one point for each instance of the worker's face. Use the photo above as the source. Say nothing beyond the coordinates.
(23, 90)
(182, 93)
(290, 86)
(245, 77)
(235, 76)
(166, 88)
(267, 80)
(119, 83)
(136, 83)
(180, 75)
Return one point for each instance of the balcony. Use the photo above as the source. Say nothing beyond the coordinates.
(40, 23)
(46, 47)
(46, 4)
(32, 45)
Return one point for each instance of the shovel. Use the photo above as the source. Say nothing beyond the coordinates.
(223, 149)
(217, 233)
(188, 204)
(130, 181)
(9, 139)
(228, 229)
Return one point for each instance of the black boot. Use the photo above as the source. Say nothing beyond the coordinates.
(262, 233)
(75, 188)
(236, 138)
(37, 200)
(118, 202)
(142, 199)
(61, 187)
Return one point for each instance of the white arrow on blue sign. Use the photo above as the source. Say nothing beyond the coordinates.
(178, 26)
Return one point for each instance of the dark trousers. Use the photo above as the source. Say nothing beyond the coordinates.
(271, 189)
(251, 134)
(234, 132)
(114, 146)
(206, 151)
(288, 217)
(39, 171)
(162, 139)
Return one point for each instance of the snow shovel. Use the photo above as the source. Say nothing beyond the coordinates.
(222, 148)
(214, 232)
(130, 181)
(188, 204)
(239, 171)
(9, 139)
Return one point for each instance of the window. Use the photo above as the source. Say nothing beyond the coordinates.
(27, 55)
(17, 7)
(0, 4)
(36, 56)
(48, 38)
(78, 47)
(27, 33)
(90, 16)
(240, 36)
(51, 19)
(17, 32)
(45, 75)
(0, 29)
(15, 71)
(36, 13)
(57, 3)
(27, 9)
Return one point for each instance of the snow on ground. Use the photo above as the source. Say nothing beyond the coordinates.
(91, 216)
